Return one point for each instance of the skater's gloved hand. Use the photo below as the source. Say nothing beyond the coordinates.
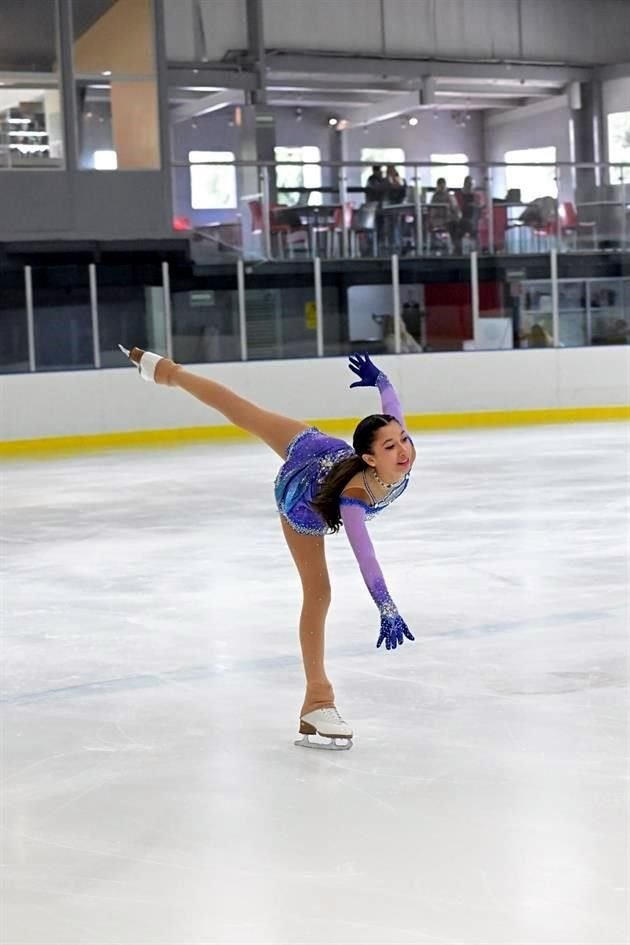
(393, 630)
(361, 365)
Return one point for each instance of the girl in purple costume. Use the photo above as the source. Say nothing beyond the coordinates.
(323, 483)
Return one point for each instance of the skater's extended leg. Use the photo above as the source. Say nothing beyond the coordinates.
(273, 428)
(310, 559)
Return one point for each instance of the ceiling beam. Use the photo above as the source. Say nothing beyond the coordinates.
(208, 104)
(191, 74)
(277, 60)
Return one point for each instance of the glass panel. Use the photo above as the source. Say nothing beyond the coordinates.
(508, 308)
(356, 301)
(536, 325)
(114, 60)
(572, 307)
(62, 318)
(436, 305)
(13, 327)
(205, 324)
(31, 134)
(280, 318)
(130, 310)
(609, 308)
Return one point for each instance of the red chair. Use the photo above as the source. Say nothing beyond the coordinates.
(336, 228)
(287, 235)
(571, 226)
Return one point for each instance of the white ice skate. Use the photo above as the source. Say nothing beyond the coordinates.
(326, 723)
(147, 363)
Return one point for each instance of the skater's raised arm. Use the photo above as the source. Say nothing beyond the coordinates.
(393, 627)
(371, 376)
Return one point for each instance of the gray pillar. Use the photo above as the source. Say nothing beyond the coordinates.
(589, 138)
(161, 76)
(256, 49)
(68, 96)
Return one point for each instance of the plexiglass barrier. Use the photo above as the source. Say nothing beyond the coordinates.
(73, 317)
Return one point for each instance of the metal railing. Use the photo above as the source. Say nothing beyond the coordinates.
(342, 217)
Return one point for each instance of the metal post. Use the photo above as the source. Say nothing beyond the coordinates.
(319, 312)
(266, 211)
(343, 197)
(417, 199)
(30, 323)
(555, 301)
(490, 210)
(168, 322)
(558, 225)
(474, 290)
(96, 341)
(242, 320)
(396, 302)
(624, 209)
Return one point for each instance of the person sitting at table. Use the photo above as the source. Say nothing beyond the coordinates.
(444, 213)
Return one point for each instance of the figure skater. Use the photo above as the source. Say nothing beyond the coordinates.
(323, 483)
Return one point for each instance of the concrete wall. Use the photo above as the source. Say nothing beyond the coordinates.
(578, 31)
(92, 402)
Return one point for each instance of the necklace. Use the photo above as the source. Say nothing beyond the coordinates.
(381, 482)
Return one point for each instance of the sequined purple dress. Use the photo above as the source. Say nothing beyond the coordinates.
(310, 457)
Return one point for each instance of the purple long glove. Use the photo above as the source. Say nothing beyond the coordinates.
(393, 627)
(361, 365)
(371, 376)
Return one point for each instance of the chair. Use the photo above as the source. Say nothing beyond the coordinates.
(571, 226)
(336, 229)
(287, 236)
(364, 225)
(439, 228)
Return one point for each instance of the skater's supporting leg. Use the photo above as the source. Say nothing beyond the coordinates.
(310, 559)
(274, 429)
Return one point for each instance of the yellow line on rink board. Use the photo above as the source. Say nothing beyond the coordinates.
(415, 422)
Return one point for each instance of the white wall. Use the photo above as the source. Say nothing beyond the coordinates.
(535, 126)
(108, 401)
(578, 31)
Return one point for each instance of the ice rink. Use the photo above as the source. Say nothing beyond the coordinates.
(151, 686)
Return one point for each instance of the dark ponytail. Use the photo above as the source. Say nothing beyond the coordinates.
(326, 502)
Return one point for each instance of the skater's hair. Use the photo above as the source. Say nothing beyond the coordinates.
(326, 502)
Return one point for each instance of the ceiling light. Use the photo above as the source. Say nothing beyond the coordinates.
(107, 72)
(333, 122)
(413, 121)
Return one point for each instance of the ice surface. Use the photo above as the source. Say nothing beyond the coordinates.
(151, 682)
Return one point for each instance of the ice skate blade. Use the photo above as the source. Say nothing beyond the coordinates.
(333, 744)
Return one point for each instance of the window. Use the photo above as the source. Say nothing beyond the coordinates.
(116, 82)
(212, 186)
(454, 173)
(532, 182)
(308, 175)
(619, 144)
(31, 124)
(381, 156)
(105, 160)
